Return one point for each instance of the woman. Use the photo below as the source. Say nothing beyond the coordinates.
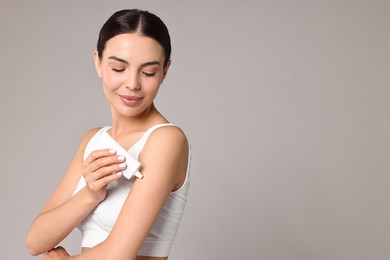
(121, 218)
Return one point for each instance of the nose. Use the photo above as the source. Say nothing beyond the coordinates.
(132, 82)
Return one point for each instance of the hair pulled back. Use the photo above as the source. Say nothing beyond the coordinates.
(135, 21)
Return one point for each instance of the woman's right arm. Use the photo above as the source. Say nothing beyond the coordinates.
(63, 213)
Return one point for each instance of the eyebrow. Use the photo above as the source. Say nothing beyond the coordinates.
(149, 63)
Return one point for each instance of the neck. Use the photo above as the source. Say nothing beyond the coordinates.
(122, 125)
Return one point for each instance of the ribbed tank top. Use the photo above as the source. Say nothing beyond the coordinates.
(96, 227)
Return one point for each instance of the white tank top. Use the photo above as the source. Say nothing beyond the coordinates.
(96, 227)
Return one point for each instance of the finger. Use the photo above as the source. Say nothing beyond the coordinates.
(105, 161)
(99, 154)
(104, 171)
(103, 182)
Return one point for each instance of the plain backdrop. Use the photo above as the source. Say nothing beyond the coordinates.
(286, 105)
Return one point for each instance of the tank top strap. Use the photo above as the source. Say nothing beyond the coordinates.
(137, 148)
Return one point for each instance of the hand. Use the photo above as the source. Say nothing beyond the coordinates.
(100, 168)
(55, 254)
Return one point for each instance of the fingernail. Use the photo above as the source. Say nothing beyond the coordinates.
(118, 174)
(122, 165)
(112, 151)
(121, 158)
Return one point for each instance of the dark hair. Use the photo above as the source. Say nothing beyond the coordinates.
(135, 21)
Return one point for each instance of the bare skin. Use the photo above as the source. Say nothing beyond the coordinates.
(139, 257)
(132, 71)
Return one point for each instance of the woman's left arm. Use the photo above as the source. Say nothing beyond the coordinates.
(164, 162)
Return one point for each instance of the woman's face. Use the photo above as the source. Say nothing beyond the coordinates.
(132, 70)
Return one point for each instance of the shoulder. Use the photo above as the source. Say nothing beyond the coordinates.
(165, 156)
(89, 134)
(86, 139)
(166, 146)
(167, 137)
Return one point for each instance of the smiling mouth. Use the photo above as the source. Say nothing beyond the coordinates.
(130, 100)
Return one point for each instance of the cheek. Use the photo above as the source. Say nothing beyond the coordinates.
(112, 82)
(151, 86)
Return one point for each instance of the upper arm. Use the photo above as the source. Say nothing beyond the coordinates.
(72, 176)
(164, 162)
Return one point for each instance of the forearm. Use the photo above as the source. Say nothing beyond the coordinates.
(53, 226)
(104, 251)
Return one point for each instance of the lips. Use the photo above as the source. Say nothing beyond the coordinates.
(130, 100)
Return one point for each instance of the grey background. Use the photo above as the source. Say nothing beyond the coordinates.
(286, 104)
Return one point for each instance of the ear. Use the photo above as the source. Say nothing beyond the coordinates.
(166, 70)
(98, 64)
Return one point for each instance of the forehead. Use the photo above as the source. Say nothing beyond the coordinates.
(134, 47)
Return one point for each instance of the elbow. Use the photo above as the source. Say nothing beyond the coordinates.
(31, 247)
(32, 251)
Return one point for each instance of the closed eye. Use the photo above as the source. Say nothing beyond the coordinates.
(146, 74)
(118, 70)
